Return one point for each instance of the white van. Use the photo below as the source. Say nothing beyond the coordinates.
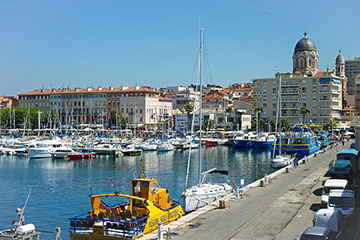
(332, 219)
(342, 200)
(329, 185)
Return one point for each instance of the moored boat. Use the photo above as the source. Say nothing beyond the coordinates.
(165, 147)
(80, 155)
(131, 151)
(147, 205)
(245, 141)
(281, 161)
(264, 141)
(301, 141)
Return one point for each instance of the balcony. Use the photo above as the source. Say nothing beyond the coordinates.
(290, 115)
(290, 108)
(324, 91)
(335, 107)
(335, 91)
(290, 92)
(287, 84)
(289, 100)
(324, 107)
(325, 99)
(256, 86)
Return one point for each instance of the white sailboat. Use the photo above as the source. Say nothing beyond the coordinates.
(204, 192)
(279, 160)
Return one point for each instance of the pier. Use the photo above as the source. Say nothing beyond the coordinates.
(282, 208)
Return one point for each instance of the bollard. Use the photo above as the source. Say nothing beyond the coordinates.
(237, 192)
(160, 232)
(222, 204)
(262, 184)
(304, 161)
(266, 178)
(287, 170)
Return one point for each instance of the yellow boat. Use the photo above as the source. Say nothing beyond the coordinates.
(147, 205)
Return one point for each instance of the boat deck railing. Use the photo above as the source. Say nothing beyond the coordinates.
(120, 225)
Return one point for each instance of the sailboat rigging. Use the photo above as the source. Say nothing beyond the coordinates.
(204, 192)
(279, 160)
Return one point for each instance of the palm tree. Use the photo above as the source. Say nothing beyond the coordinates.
(188, 109)
(258, 111)
(304, 111)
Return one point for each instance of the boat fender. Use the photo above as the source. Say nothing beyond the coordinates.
(25, 229)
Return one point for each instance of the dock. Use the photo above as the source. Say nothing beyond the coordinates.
(279, 207)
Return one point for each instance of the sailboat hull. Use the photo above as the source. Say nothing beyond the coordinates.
(201, 195)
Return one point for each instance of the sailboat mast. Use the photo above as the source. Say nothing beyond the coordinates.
(200, 85)
(278, 109)
(280, 113)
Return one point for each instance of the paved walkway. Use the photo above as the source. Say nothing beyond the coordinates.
(282, 209)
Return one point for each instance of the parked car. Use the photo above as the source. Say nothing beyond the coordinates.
(343, 200)
(330, 218)
(350, 154)
(342, 169)
(318, 233)
(329, 185)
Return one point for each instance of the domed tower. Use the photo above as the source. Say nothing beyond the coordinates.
(340, 65)
(305, 58)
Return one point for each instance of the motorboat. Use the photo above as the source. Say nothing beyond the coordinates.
(78, 155)
(130, 150)
(244, 141)
(264, 141)
(148, 146)
(165, 147)
(45, 148)
(62, 153)
(139, 214)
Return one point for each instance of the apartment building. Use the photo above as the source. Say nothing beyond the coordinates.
(141, 105)
(181, 96)
(352, 69)
(357, 93)
(320, 92)
(8, 101)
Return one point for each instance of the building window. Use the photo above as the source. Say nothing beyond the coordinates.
(309, 62)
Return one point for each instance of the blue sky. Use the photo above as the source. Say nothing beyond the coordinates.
(63, 43)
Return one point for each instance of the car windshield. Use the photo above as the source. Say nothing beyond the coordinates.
(312, 237)
(341, 202)
(326, 190)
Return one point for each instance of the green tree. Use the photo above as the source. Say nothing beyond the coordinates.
(304, 111)
(188, 109)
(331, 124)
(284, 124)
(258, 111)
(116, 116)
(20, 114)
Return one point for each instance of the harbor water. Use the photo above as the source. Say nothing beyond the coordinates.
(60, 188)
